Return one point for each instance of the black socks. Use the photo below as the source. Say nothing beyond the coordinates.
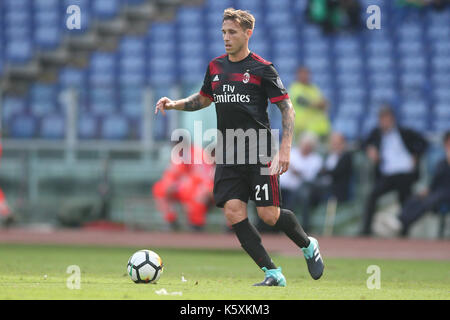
(251, 242)
(288, 223)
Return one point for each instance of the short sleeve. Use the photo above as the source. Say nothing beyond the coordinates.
(206, 89)
(273, 86)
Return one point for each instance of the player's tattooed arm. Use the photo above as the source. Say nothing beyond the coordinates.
(192, 103)
(195, 102)
(280, 162)
(287, 118)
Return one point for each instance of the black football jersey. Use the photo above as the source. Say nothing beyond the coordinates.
(240, 91)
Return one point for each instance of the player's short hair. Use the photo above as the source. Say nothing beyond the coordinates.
(245, 19)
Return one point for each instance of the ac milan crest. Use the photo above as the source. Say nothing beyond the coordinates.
(246, 77)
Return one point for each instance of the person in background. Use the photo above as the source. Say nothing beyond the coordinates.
(297, 183)
(335, 177)
(6, 216)
(309, 104)
(437, 195)
(189, 184)
(334, 15)
(396, 153)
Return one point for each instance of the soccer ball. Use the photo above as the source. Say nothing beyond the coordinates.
(145, 266)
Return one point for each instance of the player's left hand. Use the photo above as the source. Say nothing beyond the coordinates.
(280, 162)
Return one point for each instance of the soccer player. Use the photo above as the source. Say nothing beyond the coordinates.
(239, 83)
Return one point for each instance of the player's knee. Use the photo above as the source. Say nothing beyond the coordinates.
(269, 215)
(234, 212)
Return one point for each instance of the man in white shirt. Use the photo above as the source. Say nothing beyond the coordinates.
(396, 153)
(296, 183)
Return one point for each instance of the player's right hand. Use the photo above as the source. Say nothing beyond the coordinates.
(164, 104)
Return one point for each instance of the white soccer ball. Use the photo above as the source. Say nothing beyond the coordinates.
(145, 266)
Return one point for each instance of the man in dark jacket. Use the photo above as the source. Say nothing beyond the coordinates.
(396, 153)
(437, 195)
(338, 168)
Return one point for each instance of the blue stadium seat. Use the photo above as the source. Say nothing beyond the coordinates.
(440, 64)
(52, 127)
(322, 79)
(442, 94)
(282, 32)
(278, 18)
(414, 109)
(441, 48)
(105, 9)
(350, 109)
(102, 78)
(132, 110)
(410, 49)
(192, 33)
(71, 77)
(439, 31)
(18, 51)
(377, 79)
(47, 37)
(440, 125)
(413, 64)
(40, 108)
(316, 48)
(286, 48)
(383, 93)
(161, 30)
(441, 79)
(418, 124)
(317, 64)
(356, 94)
(218, 5)
(346, 46)
(137, 78)
(379, 48)
(132, 46)
(412, 80)
(285, 64)
(442, 111)
(410, 31)
(87, 126)
(189, 48)
(115, 127)
(380, 64)
(347, 126)
(12, 106)
(192, 69)
(23, 126)
(189, 16)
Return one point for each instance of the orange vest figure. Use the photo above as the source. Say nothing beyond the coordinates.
(4, 209)
(191, 185)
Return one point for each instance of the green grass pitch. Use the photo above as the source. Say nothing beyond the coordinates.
(209, 275)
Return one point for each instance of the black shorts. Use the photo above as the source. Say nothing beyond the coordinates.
(246, 182)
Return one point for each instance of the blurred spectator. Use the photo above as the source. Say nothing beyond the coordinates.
(191, 185)
(428, 200)
(335, 177)
(297, 183)
(396, 152)
(440, 5)
(6, 217)
(335, 15)
(435, 4)
(309, 104)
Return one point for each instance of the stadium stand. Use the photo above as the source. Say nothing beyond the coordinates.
(356, 71)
